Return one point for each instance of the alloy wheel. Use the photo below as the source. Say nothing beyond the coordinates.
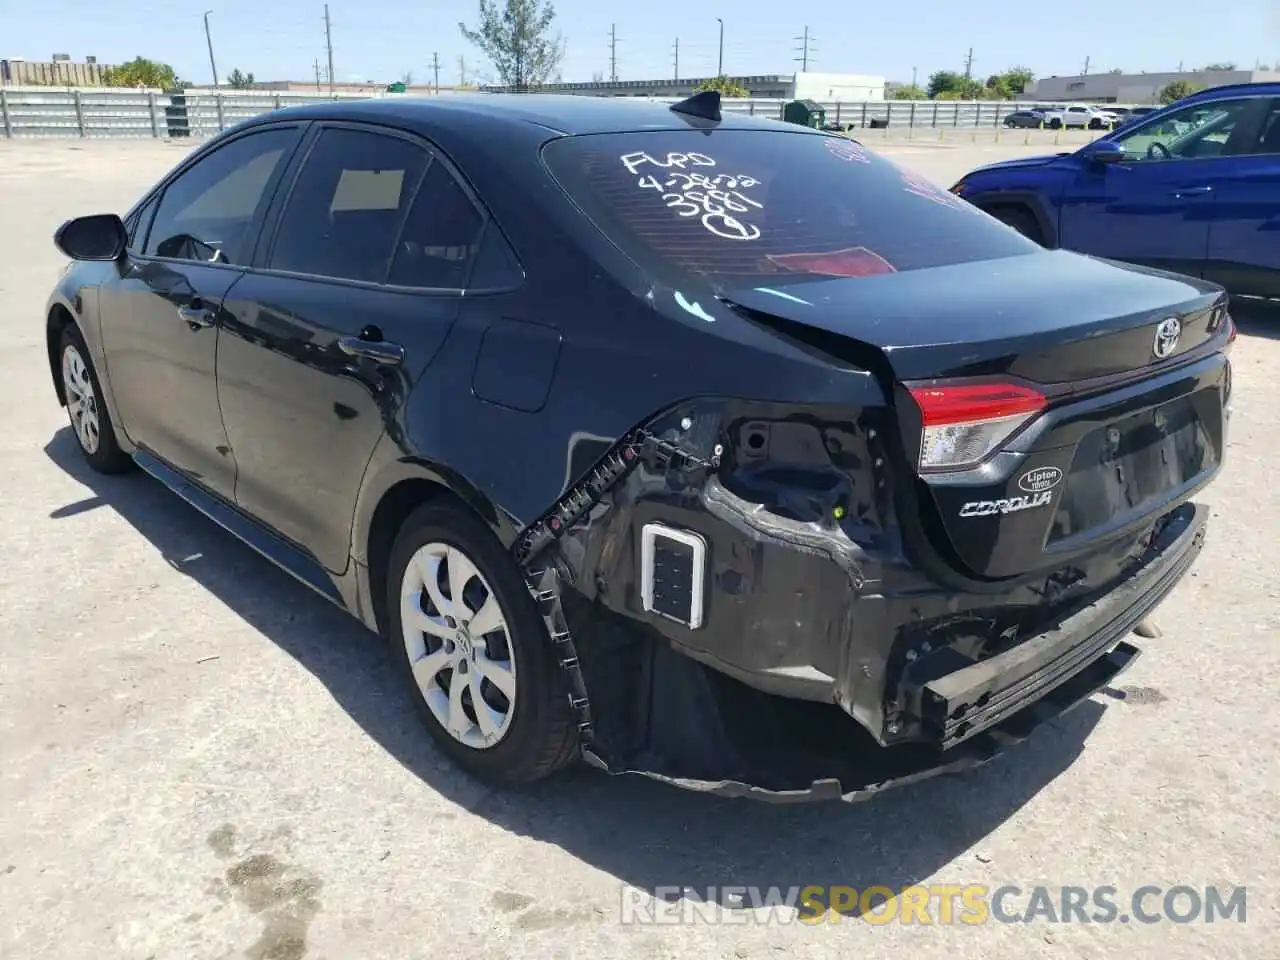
(459, 645)
(82, 400)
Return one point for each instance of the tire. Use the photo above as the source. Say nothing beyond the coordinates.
(1021, 220)
(514, 739)
(1055, 124)
(90, 420)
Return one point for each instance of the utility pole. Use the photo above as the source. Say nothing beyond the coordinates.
(208, 38)
(804, 51)
(613, 53)
(435, 65)
(913, 78)
(677, 76)
(968, 65)
(720, 62)
(462, 71)
(1086, 67)
(328, 42)
(316, 64)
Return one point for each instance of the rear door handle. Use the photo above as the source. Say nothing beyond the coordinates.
(380, 352)
(196, 315)
(1192, 191)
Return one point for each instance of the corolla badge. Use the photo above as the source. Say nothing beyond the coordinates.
(1039, 479)
(1167, 335)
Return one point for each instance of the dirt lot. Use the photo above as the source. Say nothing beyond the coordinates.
(200, 759)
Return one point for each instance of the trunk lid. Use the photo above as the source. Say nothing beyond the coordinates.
(1128, 430)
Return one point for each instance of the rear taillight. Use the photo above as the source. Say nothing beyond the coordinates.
(964, 424)
(1231, 332)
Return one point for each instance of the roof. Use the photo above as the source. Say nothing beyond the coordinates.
(1227, 89)
(555, 112)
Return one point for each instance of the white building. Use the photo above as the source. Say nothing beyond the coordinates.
(1134, 88)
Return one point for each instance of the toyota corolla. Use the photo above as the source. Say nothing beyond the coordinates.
(702, 446)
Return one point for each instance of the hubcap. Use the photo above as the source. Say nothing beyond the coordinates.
(459, 646)
(82, 402)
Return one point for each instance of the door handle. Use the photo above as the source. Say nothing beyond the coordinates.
(196, 316)
(1192, 191)
(380, 352)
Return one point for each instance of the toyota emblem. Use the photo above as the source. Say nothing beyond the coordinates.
(1167, 335)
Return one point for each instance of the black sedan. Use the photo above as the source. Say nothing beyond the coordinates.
(708, 447)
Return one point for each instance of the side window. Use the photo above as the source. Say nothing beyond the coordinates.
(1199, 130)
(441, 238)
(1269, 133)
(346, 206)
(208, 211)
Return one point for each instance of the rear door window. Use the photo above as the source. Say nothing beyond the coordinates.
(347, 206)
(744, 206)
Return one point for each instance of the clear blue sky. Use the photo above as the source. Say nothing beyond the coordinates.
(382, 39)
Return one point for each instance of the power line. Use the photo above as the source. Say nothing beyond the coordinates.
(677, 73)
(316, 64)
(435, 66)
(613, 52)
(328, 42)
(803, 50)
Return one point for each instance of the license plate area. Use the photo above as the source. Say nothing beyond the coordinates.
(1132, 465)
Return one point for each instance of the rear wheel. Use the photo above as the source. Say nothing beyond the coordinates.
(1021, 220)
(472, 648)
(90, 420)
(1055, 124)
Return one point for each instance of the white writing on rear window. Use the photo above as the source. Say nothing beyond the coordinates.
(688, 185)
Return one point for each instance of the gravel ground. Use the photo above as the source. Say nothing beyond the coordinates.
(201, 759)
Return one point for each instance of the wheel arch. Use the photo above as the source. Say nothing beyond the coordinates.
(57, 320)
(1025, 200)
(391, 494)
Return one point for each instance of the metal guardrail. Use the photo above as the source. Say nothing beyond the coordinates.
(119, 114)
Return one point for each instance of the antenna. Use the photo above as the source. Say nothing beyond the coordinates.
(705, 105)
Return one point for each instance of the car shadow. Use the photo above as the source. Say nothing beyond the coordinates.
(1257, 318)
(649, 835)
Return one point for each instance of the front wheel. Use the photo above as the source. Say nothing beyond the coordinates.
(473, 650)
(1055, 124)
(89, 417)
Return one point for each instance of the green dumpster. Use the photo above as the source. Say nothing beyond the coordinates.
(807, 113)
(397, 87)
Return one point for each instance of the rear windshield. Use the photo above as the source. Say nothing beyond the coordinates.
(739, 205)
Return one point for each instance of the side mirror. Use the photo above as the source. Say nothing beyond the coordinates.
(100, 236)
(1105, 151)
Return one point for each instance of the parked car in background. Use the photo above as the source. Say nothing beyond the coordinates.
(1079, 116)
(702, 445)
(1193, 187)
(1025, 118)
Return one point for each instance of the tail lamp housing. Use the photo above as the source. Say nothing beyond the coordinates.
(964, 424)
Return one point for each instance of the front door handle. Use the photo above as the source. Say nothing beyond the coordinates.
(1192, 191)
(196, 316)
(380, 352)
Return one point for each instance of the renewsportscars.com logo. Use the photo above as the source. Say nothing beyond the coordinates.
(934, 904)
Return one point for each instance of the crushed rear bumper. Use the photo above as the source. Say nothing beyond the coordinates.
(810, 660)
(954, 698)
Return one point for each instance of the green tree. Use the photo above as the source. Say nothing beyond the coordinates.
(943, 81)
(238, 80)
(909, 92)
(727, 86)
(141, 72)
(1176, 90)
(1010, 83)
(516, 37)
(1218, 66)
